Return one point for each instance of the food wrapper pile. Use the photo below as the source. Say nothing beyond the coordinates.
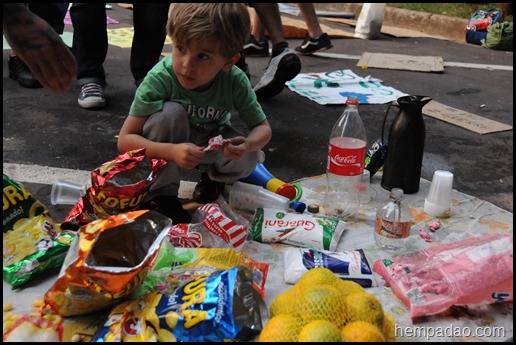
(117, 186)
(173, 266)
(32, 241)
(106, 263)
(214, 225)
(474, 271)
(220, 306)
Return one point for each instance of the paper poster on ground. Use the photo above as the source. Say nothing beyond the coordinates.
(336, 86)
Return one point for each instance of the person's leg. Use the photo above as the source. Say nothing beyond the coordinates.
(168, 125)
(90, 46)
(257, 44)
(312, 23)
(150, 20)
(284, 64)
(90, 41)
(316, 40)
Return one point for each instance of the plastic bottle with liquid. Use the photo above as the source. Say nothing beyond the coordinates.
(393, 223)
(346, 158)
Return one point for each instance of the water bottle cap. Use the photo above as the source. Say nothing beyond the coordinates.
(396, 193)
(352, 100)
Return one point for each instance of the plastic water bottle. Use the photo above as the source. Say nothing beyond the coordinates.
(346, 157)
(393, 223)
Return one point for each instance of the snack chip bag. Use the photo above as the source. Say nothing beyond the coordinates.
(220, 306)
(32, 241)
(117, 186)
(107, 262)
(172, 266)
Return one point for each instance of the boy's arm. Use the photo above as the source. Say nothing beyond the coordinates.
(186, 155)
(258, 137)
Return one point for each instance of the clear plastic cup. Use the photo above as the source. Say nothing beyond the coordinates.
(65, 193)
(438, 201)
(248, 197)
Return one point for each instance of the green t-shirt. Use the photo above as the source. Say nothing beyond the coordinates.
(206, 109)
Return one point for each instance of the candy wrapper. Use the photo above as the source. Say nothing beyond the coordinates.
(216, 143)
(34, 328)
(174, 266)
(221, 306)
(32, 241)
(107, 262)
(469, 272)
(117, 186)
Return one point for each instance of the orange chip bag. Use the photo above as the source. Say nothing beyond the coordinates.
(107, 262)
(117, 186)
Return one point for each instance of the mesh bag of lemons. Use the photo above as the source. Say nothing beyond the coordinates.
(321, 307)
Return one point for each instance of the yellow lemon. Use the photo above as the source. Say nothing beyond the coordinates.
(281, 328)
(317, 276)
(388, 326)
(362, 306)
(284, 303)
(322, 302)
(361, 331)
(347, 287)
(319, 331)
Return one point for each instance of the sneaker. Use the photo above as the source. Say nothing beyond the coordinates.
(92, 96)
(170, 206)
(313, 45)
(281, 68)
(19, 71)
(207, 190)
(256, 48)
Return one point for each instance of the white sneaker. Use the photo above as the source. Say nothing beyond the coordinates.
(280, 69)
(92, 96)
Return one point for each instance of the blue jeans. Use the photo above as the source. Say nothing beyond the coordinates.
(90, 39)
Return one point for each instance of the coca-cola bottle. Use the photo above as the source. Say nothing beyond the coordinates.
(346, 157)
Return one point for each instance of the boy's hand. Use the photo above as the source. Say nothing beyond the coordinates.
(188, 155)
(235, 149)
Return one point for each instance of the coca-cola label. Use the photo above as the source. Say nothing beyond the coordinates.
(346, 161)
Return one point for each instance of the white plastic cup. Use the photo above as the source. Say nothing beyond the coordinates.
(364, 187)
(65, 193)
(438, 201)
(248, 197)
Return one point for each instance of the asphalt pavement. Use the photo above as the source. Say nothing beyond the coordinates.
(42, 131)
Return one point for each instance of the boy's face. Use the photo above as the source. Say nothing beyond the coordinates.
(197, 63)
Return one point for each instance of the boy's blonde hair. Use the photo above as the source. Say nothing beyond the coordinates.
(228, 24)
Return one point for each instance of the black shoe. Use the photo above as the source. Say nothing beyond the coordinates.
(254, 47)
(206, 190)
(313, 45)
(170, 206)
(19, 71)
(281, 68)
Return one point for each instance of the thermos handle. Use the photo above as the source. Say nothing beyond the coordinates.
(385, 119)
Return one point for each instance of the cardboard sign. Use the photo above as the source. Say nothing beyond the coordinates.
(402, 62)
(463, 119)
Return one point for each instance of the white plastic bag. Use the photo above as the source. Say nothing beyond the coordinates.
(370, 20)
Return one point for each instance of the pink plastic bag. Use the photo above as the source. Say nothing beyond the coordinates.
(474, 271)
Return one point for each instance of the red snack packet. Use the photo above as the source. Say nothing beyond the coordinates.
(117, 186)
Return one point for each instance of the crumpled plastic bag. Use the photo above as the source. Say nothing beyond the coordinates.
(477, 270)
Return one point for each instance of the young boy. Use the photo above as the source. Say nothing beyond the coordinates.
(186, 99)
